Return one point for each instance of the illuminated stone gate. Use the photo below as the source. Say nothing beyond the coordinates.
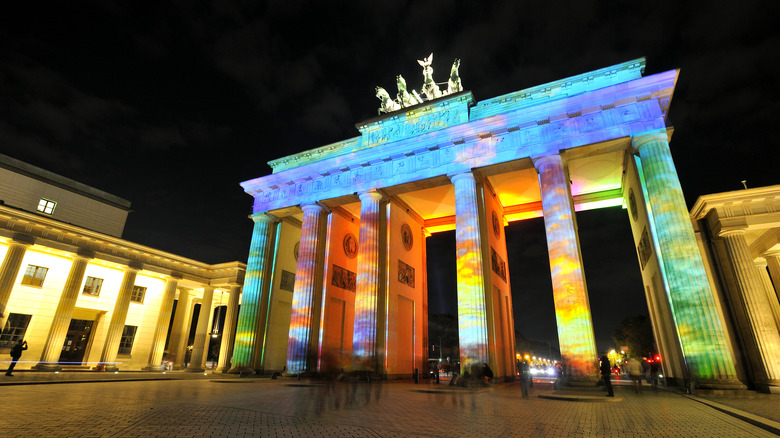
(337, 268)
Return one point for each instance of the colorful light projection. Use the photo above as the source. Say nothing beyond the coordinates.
(368, 299)
(255, 282)
(572, 309)
(472, 313)
(698, 327)
(304, 318)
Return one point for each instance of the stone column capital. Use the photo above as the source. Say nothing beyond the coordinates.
(545, 160)
(724, 232)
(771, 254)
(314, 207)
(263, 217)
(760, 262)
(639, 140)
(372, 194)
(468, 174)
(23, 239)
(82, 253)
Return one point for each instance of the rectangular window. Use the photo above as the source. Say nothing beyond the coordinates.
(34, 275)
(14, 330)
(46, 206)
(138, 294)
(128, 336)
(92, 286)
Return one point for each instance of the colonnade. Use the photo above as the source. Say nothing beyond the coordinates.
(57, 331)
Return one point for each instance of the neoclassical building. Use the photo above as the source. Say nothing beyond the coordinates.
(84, 298)
(739, 238)
(337, 264)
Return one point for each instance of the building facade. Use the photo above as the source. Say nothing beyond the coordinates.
(83, 298)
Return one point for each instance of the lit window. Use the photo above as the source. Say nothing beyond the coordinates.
(34, 275)
(138, 294)
(92, 286)
(46, 206)
(14, 330)
(128, 336)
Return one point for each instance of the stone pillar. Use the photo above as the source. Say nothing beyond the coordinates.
(699, 329)
(180, 332)
(118, 317)
(472, 306)
(370, 296)
(9, 270)
(52, 349)
(570, 292)
(254, 303)
(200, 344)
(760, 320)
(307, 293)
(769, 288)
(163, 319)
(229, 329)
(773, 265)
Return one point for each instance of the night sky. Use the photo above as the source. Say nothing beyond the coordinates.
(171, 104)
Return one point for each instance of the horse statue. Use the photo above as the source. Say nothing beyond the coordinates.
(430, 89)
(404, 96)
(454, 85)
(388, 104)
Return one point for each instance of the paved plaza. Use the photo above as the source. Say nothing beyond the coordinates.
(198, 405)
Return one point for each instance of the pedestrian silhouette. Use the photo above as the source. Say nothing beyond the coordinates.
(606, 371)
(634, 366)
(487, 374)
(16, 353)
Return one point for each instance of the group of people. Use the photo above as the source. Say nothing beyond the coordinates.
(636, 368)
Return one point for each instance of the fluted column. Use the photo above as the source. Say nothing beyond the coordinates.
(699, 328)
(570, 292)
(756, 307)
(52, 349)
(769, 288)
(229, 329)
(254, 302)
(369, 295)
(773, 265)
(118, 317)
(9, 270)
(307, 293)
(180, 332)
(200, 344)
(163, 320)
(472, 306)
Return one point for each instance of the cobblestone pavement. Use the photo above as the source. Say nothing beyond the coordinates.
(281, 408)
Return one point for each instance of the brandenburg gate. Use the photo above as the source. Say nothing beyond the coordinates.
(336, 275)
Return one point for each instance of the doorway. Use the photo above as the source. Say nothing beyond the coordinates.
(76, 341)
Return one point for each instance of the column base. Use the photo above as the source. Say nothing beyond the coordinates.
(194, 370)
(241, 370)
(153, 368)
(768, 386)
(720, 384)
(47, 367)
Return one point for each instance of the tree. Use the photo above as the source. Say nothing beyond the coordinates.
(636, 333)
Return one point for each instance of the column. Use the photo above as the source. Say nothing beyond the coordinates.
(769, 288)
(62, 316)
(180, 332)
(472, 306)
(773, 265)
(200, 344)
(254, 303)
(369, 327)
(570, 292)
(699, 329)
(118, 317)
(229, 329)
(307, 293)
(9, 270)
(163, 319)
(756, 306)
